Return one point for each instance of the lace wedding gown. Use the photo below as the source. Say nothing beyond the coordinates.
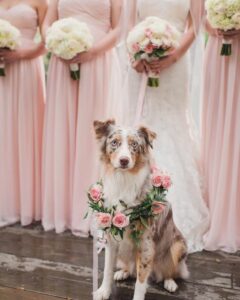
(165, 111)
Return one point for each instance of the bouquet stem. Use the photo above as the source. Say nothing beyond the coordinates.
(75, 71)
(153, 82)
(2, 70)
(226, 48)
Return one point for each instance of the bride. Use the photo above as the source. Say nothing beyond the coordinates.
(165, 110)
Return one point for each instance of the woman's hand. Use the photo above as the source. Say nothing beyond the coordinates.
(83, 57)
(30, 50)
(157, 66)
(139, 66)
(229, 34)
(10, 56)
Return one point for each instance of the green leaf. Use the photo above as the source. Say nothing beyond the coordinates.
(144, 222)
(121, 234)
(86, 215)
(138, 55)
(123, 204)
(159, 53)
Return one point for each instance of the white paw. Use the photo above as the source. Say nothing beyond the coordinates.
(102, 294)
(170, 285)
(121, 275)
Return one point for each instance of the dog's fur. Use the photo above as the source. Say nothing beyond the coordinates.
(126, 162)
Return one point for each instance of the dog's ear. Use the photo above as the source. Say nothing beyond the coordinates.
(102, 129)
(148, 135)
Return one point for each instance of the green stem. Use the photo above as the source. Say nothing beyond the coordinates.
(226, 50)
(2, 72)
(75, 75)
(153, 82)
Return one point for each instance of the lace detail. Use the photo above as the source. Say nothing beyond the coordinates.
(166, 112)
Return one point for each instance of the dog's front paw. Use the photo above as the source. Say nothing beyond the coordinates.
(102, 294)
(170, 285)
(121, 275)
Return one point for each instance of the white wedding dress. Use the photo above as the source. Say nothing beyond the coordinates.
(165, 111)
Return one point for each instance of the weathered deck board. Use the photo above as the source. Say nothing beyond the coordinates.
(45, 266)
(17, 294)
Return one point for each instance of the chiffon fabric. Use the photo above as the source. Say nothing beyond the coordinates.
(21, 122)
(221, 144)
(166, 110)
(70, 163)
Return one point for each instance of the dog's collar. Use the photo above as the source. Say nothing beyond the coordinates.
(135, 218)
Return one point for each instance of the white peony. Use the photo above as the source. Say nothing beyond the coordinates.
(223, 14)
(9, 39)
(9, 35)
(68, 37)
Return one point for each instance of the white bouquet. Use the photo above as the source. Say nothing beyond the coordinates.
(68, 37)
(9, 39)
(224, 15)
(152, 39)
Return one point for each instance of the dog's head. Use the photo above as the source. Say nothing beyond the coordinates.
(123, 148)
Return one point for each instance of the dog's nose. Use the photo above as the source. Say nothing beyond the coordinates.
(124, 161)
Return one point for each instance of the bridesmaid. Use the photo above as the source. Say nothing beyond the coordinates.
(221, 141)
(69, 148)
(21, 115)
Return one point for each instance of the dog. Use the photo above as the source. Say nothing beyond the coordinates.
(125, 155)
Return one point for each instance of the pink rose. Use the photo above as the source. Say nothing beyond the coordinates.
(157, 208)
(104, 220)
(136, 47)
(96, 192)
(148, 32)
(160, 179)
(156, 179)
(166, 181)
(120, 220)
(149, 48)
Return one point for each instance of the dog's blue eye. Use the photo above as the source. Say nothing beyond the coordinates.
(114, 143)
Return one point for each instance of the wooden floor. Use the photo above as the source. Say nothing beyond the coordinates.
(35, 265)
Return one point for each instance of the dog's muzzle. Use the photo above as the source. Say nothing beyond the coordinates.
(124, 162)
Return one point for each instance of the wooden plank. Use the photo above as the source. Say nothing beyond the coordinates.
(216, 256)
(53, 283)
(17, 294)
(236, 280)
(48, 247)
(60, 266)
(65, 285)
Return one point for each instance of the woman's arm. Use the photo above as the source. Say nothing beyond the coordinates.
(28, 50)
(108, 41)
(51, 16)
(175, 55)
(209, 29)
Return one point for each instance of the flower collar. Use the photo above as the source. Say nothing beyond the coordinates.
(111, 220)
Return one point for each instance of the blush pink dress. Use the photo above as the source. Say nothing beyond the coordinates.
(221, 145)
(70, 162)
(21, 122)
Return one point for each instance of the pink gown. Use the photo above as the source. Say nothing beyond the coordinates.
(70, 161)
(21, 122)
(221, 145)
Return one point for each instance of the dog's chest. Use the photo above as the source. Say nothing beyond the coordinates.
(124, 186)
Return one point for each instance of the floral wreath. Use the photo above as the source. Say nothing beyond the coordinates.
(115, 222)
